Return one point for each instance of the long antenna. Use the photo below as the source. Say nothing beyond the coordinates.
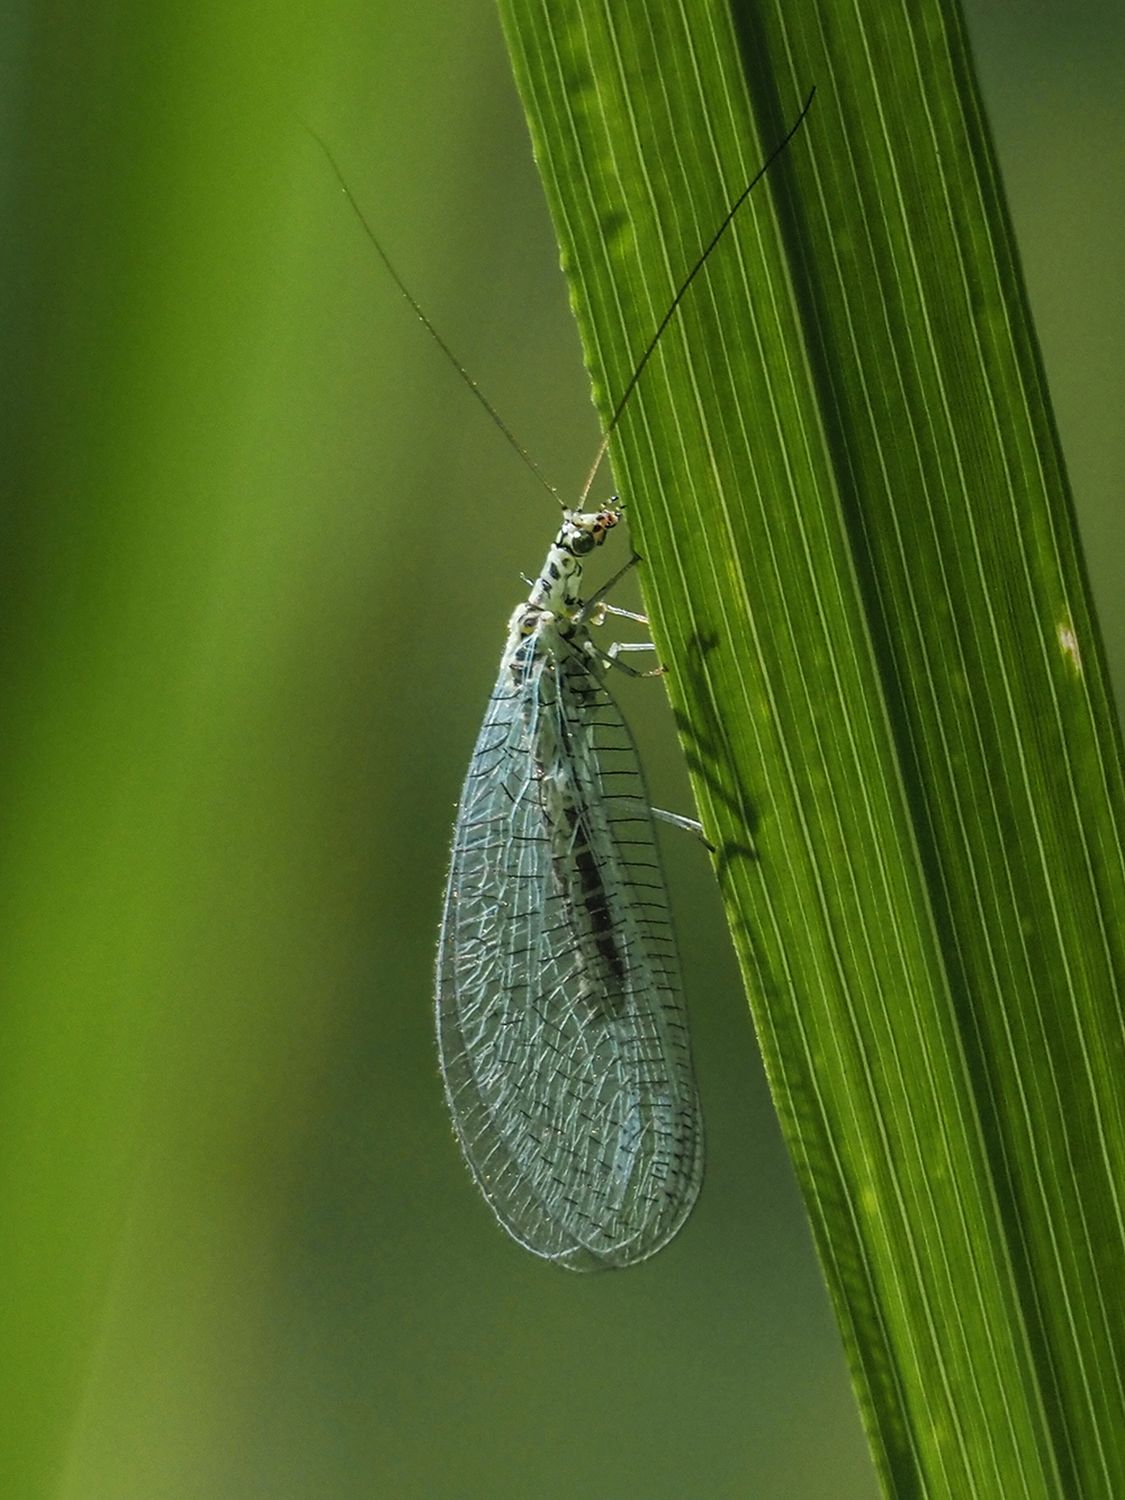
(650, 347)
(429, 327)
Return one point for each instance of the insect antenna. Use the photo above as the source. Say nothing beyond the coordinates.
(416, 308)
(650, 347)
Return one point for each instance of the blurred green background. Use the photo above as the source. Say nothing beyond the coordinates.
(258, 552)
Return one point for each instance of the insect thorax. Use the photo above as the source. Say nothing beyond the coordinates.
(552, 611)
(558, 589)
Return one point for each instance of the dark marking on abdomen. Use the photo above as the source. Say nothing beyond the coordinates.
(595, 903)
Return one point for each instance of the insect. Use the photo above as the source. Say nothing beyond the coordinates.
(561, 1025)
(562, 1033)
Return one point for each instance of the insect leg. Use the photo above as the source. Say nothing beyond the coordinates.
(595, 602)
(689, 825)
(610, 657)
(622, 614)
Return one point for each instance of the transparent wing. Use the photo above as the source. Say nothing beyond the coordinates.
(561, 1025)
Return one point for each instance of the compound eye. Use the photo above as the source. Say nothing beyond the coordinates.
(583, 542)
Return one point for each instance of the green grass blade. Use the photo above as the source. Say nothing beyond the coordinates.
(862, 567)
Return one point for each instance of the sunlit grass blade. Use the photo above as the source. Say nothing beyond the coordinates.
(862, 568)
